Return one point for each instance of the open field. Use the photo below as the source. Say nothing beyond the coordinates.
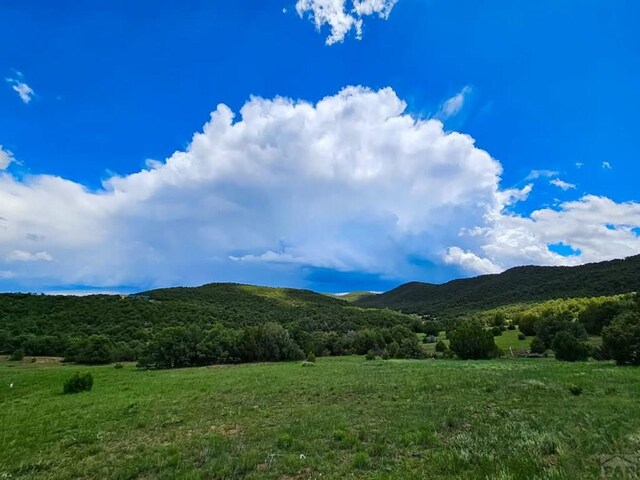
(508, 340)
(342, 418)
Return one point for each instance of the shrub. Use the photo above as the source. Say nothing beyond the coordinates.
(285, 441)
(441, 346)
(385, 355)
(567, 347)
(621, 339)
(78, 383)
(470, 340)
(409, 348)
(118, 366)
(496, 331)
(537, 346)
(522, 336)
(527, 322)
(432, 328)
(370, 355)
(511, 326)
(448, 354)
(596, 316)
(547, 328)
(17, 355)
(575, 390)
(311, 357)
(393, 348)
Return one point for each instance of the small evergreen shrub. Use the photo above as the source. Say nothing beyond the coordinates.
(568, 348)
(496, 331)
(385, 355)
(511, 327)
(537, 345)
(575, 390)
(78, 383)
(621, 339)
(17, 355)
(471, 341)
(370, 355)
(522, 336)
(448, 354)
(311, 357)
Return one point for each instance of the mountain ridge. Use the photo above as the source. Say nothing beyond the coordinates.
(520, 284)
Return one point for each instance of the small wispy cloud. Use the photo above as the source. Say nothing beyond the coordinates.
(606, 165)
(24, 256)
(24, 91)
(6, 158)
(340, 17)
(535, 174)
(562, 184)
(579, 164)
(453, 105)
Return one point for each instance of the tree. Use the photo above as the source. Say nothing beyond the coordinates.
(526, 323)
(568, 348)
(537, 346)
(441, 346)
(621, 339)
(598, 315)
(470, 340)
(548, 327)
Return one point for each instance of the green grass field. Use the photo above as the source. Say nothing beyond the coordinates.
(508, 340)
(342, 418)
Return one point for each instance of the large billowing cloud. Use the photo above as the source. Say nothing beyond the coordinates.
(343, 15)
(352, 183)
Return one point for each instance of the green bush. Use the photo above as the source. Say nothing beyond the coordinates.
(17, 355)
(568, 348)
(385, 355)
(575, 390)
(522, 336)
(496, 331)
(621, 339)
(311, 357)
(441, 346)
(470, 340)
(527, 323)
(78, 383)
(537, 345)
(370, 355)
(511, 326)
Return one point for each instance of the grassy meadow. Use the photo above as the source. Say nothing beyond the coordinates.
(341, 418)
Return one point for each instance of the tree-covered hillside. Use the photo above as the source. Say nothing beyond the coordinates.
(517, 285)
(64, 325)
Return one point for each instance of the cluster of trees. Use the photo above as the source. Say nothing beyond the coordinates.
(219, 323)
(565, 326)
(176, 347)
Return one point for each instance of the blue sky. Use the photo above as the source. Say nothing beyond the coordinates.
(546, 90)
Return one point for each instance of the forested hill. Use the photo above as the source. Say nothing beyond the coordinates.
(47, 324)
(517, 285)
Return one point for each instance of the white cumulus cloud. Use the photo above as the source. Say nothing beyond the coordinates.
(343, 15)
(352, 183)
